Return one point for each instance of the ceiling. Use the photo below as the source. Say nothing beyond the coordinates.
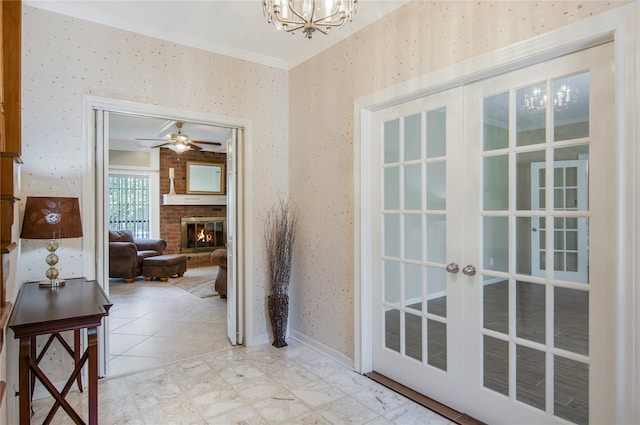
(234, 28)
(125, 129)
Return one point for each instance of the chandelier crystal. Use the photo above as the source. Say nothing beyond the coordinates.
(308, 15)
(535, 99)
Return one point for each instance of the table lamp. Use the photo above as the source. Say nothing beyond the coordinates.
(48, 217)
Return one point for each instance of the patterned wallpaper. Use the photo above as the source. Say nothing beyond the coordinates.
(420, 37)
(65, 58)
(303, 118)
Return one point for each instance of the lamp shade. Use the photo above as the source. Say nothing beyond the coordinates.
(47, 217)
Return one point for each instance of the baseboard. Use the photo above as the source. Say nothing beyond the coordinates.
(309, 342)
(320, 347)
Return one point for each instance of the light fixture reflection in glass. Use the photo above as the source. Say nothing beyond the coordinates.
(535, 99)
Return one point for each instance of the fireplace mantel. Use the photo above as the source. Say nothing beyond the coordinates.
(170, 199)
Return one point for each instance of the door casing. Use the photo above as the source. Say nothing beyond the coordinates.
(620, 26)
(95, 235)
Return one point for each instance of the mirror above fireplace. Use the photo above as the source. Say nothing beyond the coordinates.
(205, 178)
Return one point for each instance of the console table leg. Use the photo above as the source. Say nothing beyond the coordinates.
(92, 347)
(76, 355)
(24, 386)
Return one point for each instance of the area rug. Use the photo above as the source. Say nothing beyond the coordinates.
(200, 286)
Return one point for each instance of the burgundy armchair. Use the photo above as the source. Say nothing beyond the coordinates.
(127, 253)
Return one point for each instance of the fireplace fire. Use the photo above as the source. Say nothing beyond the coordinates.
(202, 234)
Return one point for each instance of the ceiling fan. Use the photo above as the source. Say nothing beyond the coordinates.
(179, 142)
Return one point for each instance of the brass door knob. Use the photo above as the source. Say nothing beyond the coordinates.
(452, 268)
(469, 270)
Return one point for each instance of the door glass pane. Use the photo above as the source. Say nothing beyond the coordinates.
(392, 188)
(413, 286)
(412, 187)
(391, 288)
(495, 243)
(530, 311)
(530, 115)
(527, 248)
(496, 183)
(413, 236)
(530, 376)
(437, 291)
(436, 238)
(496, 122)
(495, 304)
(391, 141)
(571, 320)
(392, 235)
(530, 177)
(542, 190)
(571, 390)
(571, 107)
(436, 185)
(542, 231)
(392, 329)
(571, 249)
(437, 133)
(413, 336)
(412, 137)
(392, 282)
(437, 346)
(496, 364)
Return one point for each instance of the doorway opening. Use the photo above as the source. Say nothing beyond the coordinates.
(97, 119)
(159, 320)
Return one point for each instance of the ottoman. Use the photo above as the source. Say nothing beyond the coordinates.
(164, 266)
(219, 258)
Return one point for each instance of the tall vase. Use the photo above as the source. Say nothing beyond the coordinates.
(278, 313)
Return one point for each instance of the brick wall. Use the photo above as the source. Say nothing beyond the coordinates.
(170, 215)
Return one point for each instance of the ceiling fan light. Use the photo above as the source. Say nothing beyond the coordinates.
(179, 147)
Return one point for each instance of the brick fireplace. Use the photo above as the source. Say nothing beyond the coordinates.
(171, 215)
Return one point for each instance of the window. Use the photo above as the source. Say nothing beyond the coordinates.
(129, 203)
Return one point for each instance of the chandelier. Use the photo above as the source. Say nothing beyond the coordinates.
(308, 15)
(535, 98)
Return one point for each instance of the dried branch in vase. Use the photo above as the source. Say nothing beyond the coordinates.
(279, 235)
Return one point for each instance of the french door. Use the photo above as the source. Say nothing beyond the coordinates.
(471, 181)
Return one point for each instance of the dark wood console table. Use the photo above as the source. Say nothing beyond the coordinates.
(77, 305)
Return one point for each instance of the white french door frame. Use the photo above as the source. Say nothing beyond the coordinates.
(94, 231)
(622, 26)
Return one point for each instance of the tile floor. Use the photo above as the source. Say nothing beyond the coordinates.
(187, 373)
(155, 323)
